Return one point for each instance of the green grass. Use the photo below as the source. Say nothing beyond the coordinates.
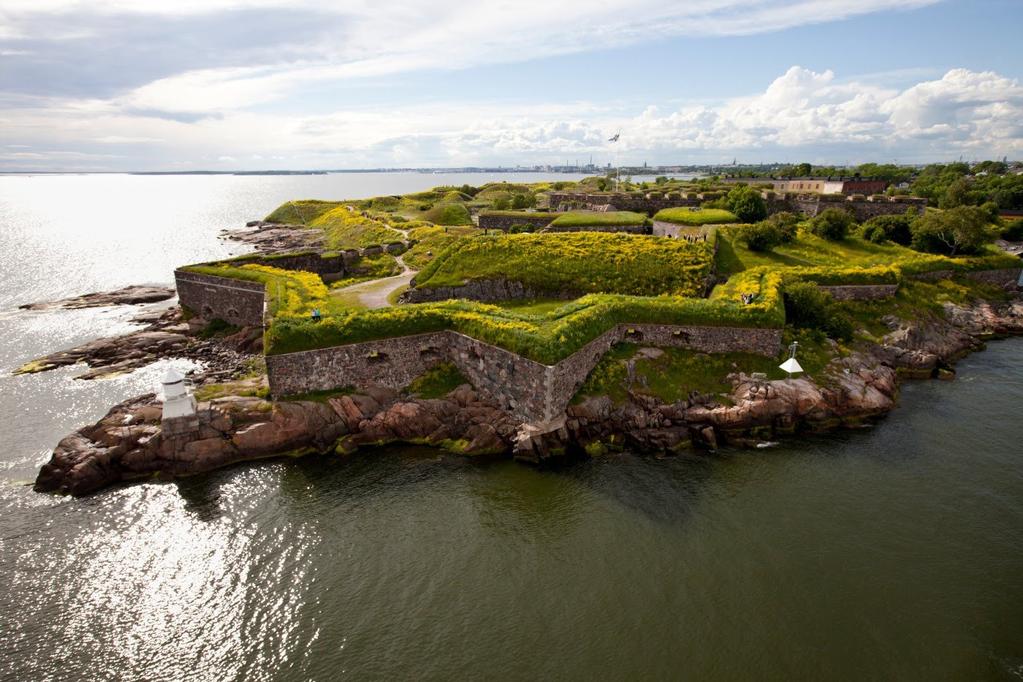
(811, 251)
(676, 372)
(544, 338)
(301, 212)
(431, 240)
(346, 229)
(448, 214)
(579, 261)
(437, 382)
(596, 219)
(532, 306)
(703, 216)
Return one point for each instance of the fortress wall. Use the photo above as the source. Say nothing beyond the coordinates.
(505, 223)
(235, 301)
(310, 262)
(386, 362)
(515, 383)
(526, 388)
(861, 292)
(485, 290)
(567, 376)
(1007, 278)
(807, 204)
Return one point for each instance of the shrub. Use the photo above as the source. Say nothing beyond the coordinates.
(809, 307)
(526, 200)
(1013, 232)
(832, 223)
(762, 236)
(787, 224)
(747, 204)
(894, 228)
(448, 214)
(955, 231)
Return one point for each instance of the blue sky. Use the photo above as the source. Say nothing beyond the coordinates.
(254, 84)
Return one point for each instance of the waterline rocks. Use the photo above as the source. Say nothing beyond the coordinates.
(862, 385)
(132, 295)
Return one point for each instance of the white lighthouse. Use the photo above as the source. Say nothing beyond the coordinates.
(177, 401)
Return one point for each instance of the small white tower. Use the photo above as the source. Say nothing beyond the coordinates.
(177, 401)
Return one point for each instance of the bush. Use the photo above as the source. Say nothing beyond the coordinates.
(956, 231)
(747, 204)
(762, 236)
(894, 228)
(1013, 232)
(832, 223)
(449, 214)
(787, 225)
(523, 201)
(808, 307)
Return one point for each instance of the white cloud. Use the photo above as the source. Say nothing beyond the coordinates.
(801, 113)
(379, 38)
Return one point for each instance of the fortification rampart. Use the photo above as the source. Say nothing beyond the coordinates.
(861, 292)
(503, 221)
(530, 390)
(809, 205)
(485, 290)
(235, 301)
(1006, 278)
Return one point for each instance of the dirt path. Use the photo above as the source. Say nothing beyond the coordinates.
(373, 294)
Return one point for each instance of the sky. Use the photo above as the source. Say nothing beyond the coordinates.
(177, 85)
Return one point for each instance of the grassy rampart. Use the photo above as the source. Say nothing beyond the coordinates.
(581, 261)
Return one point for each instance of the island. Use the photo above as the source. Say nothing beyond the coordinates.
(551, 321)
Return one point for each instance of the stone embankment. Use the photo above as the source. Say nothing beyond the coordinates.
(128, 444)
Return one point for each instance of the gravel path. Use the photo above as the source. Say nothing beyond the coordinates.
(373, 294)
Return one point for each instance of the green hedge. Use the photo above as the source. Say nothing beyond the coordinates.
(704, 216)
(593, 218)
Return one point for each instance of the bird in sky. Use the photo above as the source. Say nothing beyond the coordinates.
(614, 138)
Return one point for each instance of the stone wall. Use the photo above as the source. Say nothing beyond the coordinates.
(530, 390)
(235, 301)
(515, 383)
(386, 362)
(1007, 278)
(807, 204)
(861, 292)
(485, 290)
(506, 222)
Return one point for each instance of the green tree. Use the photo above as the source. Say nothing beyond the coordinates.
(956, 231)
(802, 169)
(832, 223)
(808, 307)
(501, 203)
(746, 203)
(787, 225)
(894, 228)
(956, 194)
(762, 236)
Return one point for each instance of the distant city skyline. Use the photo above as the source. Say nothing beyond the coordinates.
(115, 85)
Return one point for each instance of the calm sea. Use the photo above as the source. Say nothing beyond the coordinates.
(894, 552)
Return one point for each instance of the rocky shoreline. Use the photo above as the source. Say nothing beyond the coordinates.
(127, 444)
